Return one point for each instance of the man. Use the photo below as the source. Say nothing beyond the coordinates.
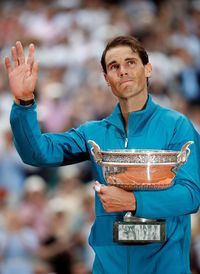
(136, 123)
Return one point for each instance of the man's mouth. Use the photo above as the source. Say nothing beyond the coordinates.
(126, 81)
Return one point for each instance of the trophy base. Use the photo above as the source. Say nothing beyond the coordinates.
(139, 231)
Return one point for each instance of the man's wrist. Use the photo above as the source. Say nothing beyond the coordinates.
(132, 202)
(25, 101)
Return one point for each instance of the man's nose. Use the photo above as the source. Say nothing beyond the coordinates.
(123, 71)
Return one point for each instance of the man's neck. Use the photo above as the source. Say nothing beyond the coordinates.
(132, 105)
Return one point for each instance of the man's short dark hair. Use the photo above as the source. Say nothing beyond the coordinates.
(129, 41)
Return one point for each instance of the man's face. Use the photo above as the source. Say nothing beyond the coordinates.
(126, 73)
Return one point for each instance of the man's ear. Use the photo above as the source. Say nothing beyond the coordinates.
(106, 79)
(148, 70)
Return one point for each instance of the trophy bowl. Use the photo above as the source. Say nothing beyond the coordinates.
(140, 169)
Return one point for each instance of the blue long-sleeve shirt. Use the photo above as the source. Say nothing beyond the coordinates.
(154, 127)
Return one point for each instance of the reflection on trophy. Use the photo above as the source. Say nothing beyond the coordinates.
(135, 170)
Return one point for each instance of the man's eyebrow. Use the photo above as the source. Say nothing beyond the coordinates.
(130, 58)
(111, 63)
(126, 59)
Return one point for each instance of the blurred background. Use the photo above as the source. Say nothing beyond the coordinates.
(46, 214)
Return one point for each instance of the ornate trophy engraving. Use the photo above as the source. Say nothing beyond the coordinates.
(135, 170)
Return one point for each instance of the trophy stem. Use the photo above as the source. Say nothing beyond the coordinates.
(128, 217)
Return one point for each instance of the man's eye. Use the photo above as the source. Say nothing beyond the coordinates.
(131, 62)
(114, 67)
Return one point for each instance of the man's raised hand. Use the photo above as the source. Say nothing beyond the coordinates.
(22, 73)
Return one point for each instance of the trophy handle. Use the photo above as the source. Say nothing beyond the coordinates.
(95, 151)
(184, 154)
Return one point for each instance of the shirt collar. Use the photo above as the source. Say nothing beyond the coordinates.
(136, 120)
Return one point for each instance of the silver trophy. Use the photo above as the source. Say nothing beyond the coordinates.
(134, 170)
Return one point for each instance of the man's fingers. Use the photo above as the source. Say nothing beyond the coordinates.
(8, 64)
(31, 51)
(35, 69)
(14, 56)
(18, 57)
(20, 52)
(98, 187)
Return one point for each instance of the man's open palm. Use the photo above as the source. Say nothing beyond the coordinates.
(22, 73)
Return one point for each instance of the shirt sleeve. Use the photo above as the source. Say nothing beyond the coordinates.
(183, 197)
(45, 149)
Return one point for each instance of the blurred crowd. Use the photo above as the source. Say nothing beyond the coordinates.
(46, 214)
